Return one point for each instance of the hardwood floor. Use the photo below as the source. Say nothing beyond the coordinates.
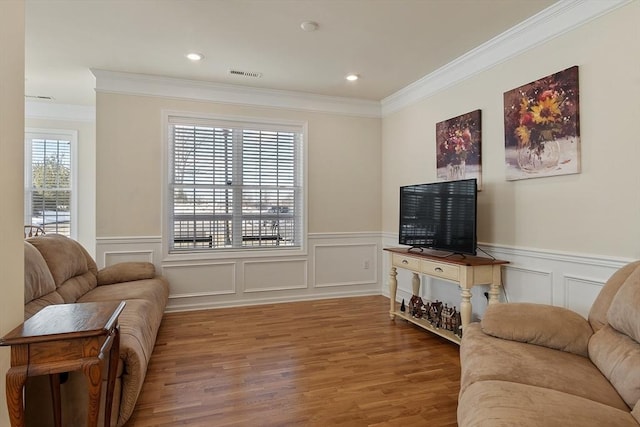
(337, 362)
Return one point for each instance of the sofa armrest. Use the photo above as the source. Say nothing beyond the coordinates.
(544, 325)
(126, 272)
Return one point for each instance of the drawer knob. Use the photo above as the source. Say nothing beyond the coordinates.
(438, 269)
(404, 261)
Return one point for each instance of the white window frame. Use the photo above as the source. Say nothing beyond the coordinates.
(195, 254)
(54, 134)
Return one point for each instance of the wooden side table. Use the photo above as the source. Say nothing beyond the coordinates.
(63, 338)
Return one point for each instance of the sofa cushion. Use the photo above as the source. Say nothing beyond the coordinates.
(484, 357)
(618, 358)
(155, 290)
(623, 314)
(38, 281)
(126, 272)
(600, 307)
(74, 271)
(507, 404)
(545, 325)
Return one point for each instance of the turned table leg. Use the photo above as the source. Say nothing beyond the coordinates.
(496, 283)
(393, 289)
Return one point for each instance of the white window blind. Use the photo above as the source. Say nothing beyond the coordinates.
(48, 170)
(234, 185)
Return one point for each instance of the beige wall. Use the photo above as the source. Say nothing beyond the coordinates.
(594, 212)
(343, 173)
(11, 177)
(86, 177)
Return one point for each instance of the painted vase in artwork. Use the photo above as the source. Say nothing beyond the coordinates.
(456, 171)
(540, 158)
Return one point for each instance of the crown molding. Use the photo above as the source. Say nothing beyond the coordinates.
(62, 112)
(169, 87)
(534, 31)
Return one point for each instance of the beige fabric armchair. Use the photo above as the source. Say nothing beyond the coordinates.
(537, 365)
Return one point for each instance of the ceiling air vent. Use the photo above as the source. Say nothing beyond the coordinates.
(245, 73)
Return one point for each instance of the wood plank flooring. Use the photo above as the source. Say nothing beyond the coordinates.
(336, 362)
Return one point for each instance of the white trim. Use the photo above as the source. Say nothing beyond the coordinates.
(552, 22)
(172, 308)
(205, 254)
(586, 259)
(72, 136)
(62, 112)
(169, 87)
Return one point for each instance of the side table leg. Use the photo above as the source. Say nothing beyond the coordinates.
(114, 359)
(93, 372)
(16, 378)
(54, 383)
(393, 289)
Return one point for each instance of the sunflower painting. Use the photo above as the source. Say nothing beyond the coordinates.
(542, 134)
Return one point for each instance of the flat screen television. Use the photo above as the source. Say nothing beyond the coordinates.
(440, 216)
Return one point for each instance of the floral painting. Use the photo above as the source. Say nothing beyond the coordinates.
(541, 123)
(458, 147)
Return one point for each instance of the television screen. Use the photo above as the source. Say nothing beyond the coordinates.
(440, 215)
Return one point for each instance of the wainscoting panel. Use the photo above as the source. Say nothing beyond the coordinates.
(274, 275)
(345, 264)
(523, 284)
(580, 293)
(112, 250)
(115, 257)
(334, 266)
(205, 279)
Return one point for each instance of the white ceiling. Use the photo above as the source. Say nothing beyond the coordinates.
(389, 43)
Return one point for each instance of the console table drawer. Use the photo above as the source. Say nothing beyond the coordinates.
(446, 271)
(406, 262)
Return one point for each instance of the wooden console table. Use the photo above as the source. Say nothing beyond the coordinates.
(62, 338)
(465, 271)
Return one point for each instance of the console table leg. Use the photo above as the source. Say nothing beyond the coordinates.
(393, 289)
(415, 284)
(494, 289)
(465, 307)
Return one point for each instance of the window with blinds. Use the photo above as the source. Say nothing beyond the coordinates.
(234, 185)
(48, 170)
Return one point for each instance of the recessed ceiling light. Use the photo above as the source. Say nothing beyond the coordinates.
(352, 77)
(195, 56)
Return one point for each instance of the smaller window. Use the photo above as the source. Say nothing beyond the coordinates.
(49, 176)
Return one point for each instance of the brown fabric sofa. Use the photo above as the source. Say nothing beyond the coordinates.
(537, 365)
(58, 270)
